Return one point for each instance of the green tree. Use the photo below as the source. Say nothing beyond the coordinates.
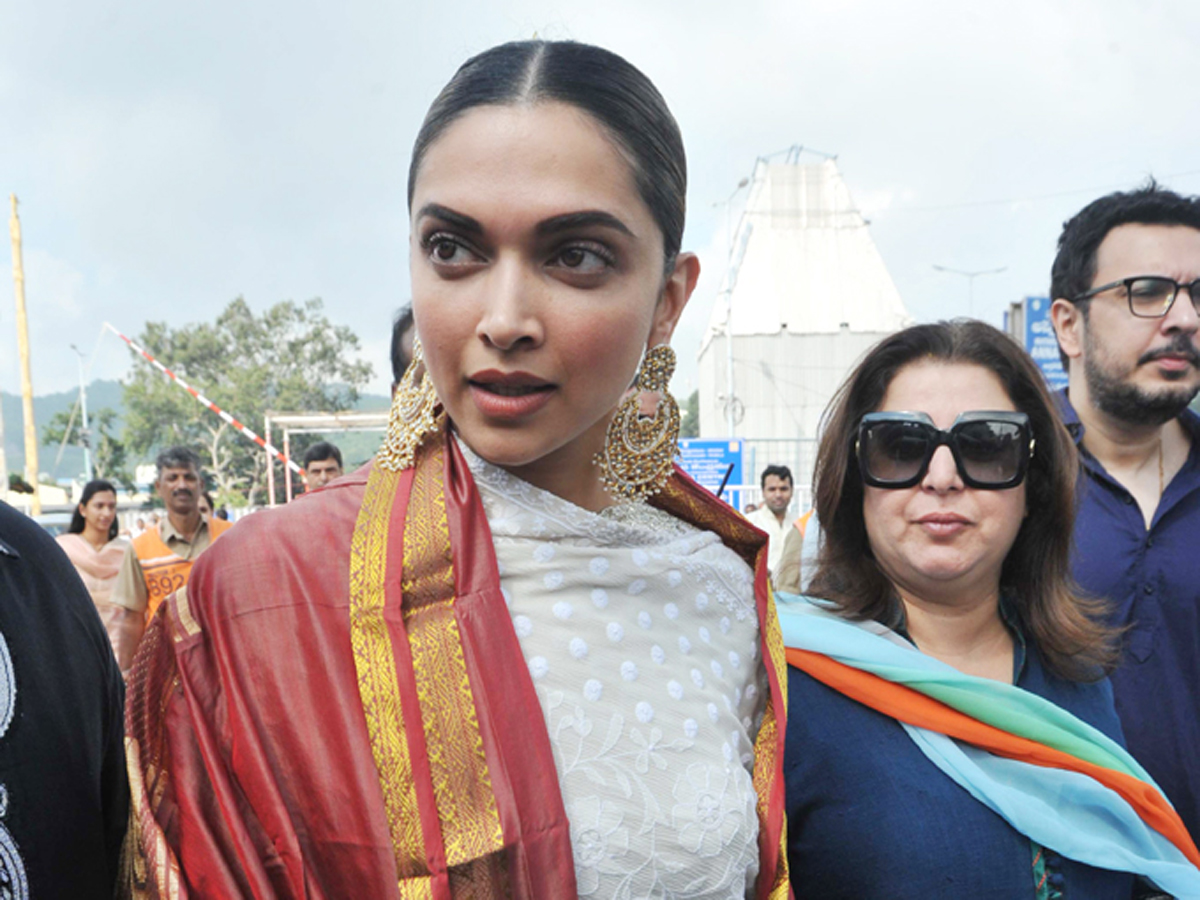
(690, 426)
(290, 357)
(108, 452)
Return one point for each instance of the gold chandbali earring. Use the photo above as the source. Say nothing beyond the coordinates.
(413, 415)
(639, 449)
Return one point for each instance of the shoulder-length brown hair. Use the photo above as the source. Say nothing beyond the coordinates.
(1036, 575)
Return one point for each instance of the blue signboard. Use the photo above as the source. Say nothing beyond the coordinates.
(1041, 343)
(708, 460)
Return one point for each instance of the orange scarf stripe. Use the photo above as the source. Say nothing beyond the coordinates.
(908, 705)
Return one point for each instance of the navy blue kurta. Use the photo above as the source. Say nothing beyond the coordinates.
(870, 817)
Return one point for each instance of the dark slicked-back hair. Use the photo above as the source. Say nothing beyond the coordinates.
(90, 490)
(1074, 267)
(1036, 575)
(177, 458)
(598, 82)
(782, 472)
(400, 359)
(321, 451)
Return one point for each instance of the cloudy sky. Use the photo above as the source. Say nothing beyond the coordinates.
(169, 157)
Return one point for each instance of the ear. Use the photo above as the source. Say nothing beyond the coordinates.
(675, 294)
(1068, 327)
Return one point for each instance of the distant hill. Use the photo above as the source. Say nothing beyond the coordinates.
(99, 395)
(356, 448)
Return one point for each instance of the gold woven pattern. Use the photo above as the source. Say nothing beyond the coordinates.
(412, 417)
(766, 746)
(462, 786)
(188, 625)
(148, 867)
(375, 663)
(416, 888)
(638, 450)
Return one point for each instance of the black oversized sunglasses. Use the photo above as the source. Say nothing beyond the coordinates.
(990, 449)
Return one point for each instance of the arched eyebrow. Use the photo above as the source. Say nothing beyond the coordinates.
(457, 219)
(586, 219)
(553, 225)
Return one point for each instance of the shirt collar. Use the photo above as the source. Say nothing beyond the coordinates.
(168, 532)
(1069, 417)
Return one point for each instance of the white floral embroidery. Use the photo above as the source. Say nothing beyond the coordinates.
(653, 764)
(14, 883)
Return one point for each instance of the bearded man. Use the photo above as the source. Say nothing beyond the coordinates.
(1126, 283)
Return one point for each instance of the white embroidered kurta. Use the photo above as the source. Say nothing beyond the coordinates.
(641, 635)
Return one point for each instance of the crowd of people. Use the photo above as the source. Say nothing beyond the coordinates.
(521, 654)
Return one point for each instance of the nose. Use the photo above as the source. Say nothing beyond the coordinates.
(512, 298)
(942, 475)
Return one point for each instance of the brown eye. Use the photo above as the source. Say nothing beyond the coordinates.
(585, 259)
(445, 250)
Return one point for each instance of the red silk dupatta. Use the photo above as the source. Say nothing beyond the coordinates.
(338, 706)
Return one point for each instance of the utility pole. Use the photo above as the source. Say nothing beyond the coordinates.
(3, 458)
(85, 436)
(31, 444)
(730, 412)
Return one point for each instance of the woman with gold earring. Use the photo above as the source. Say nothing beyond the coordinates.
(520, 654)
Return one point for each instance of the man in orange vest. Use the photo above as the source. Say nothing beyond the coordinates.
(159, 560)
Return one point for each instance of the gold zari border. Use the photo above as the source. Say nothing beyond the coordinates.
(375, 663)
(766, 743)
(462, 785)
(462, 788)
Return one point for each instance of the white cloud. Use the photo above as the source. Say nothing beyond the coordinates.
(171, 157)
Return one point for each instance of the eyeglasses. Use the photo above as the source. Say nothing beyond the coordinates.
(990, 449)
(1150, 296)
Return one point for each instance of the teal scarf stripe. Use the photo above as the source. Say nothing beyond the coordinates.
(807, 626)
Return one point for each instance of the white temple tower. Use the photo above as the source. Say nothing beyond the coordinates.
(805, 295)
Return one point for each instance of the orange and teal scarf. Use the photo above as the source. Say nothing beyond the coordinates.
(1053, 777)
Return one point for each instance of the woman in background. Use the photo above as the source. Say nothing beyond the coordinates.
(953, 733)
(92, 544)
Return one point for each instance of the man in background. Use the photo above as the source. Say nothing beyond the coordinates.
(322, 464)
(1126, 289)
(771, 516)
(159, 561)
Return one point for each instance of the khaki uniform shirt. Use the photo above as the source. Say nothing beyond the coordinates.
(130, 590)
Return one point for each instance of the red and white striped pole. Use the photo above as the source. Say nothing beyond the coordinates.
(204, 400)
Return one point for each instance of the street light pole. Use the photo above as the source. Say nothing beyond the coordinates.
(970, 276)
(84, 434)
(730, 423)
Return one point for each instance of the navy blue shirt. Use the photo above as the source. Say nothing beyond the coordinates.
(870, 816)
(1152, 578)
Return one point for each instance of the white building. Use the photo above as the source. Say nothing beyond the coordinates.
(806, 294)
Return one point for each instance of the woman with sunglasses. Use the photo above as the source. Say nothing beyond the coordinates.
(519, 655)
(952, 733)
